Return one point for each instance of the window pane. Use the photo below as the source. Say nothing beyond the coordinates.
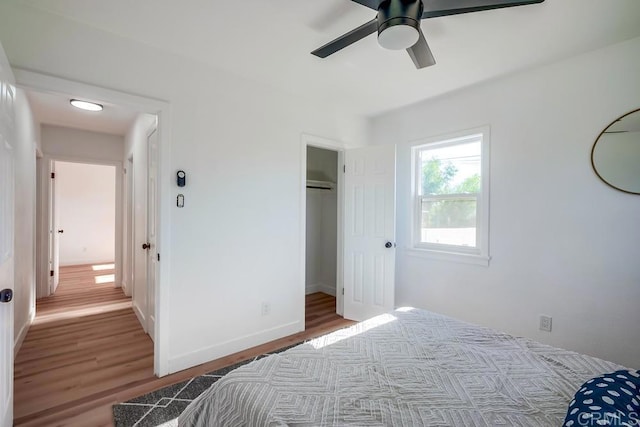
(451, 169)
(449, 222)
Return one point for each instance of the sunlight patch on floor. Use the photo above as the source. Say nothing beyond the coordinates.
(106, 278)
(82, 311)
(101, 267)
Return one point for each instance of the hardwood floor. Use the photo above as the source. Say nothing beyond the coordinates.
(320, 309)
(86, 351)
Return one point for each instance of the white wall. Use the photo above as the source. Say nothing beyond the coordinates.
(562, 242)
(239, 143)
(321, 249)
(66, 143)
(86, 201)
(25, 222)
(322, 164)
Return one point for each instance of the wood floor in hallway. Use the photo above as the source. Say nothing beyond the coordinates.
(86, 351)
(84, 342)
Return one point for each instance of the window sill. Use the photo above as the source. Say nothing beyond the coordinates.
(474, 259)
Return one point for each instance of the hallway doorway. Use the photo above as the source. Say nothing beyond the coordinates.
(84, 223)
(125, 116)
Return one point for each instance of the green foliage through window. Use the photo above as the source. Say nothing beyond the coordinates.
(437, 178)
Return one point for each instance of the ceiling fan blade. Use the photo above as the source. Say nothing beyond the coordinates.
(435, 8)
(371, 4)
(347, 39)
(421, 54)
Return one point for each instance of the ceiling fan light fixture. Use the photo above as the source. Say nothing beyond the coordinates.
(399, 23)
(398, 37)
(86, 105)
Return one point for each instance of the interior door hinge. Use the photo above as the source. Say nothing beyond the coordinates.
(344, 168)
(158, 257)
(51, 273)
(342, 291)
(53, 175)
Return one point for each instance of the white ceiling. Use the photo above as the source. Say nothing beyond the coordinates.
(270, 41)
(55, 109)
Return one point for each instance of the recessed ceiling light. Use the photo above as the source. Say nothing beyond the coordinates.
(85, 105)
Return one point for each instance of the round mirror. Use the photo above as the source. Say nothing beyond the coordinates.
(616, 154)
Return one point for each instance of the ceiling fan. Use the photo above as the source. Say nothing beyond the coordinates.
(398, 24)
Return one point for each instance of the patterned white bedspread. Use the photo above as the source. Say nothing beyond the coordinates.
(407, 368)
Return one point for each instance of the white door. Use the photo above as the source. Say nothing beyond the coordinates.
(369, 231)
(139, 253)
(152, 260)
(7, 99)
(54, 231)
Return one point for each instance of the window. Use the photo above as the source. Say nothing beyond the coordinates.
(451, 195)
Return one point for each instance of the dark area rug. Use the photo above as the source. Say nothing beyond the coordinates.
(162, 407)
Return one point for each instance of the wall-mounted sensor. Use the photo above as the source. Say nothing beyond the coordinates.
(181, 178)
(180, 201)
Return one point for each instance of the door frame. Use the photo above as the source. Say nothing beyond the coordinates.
(128, 227)
(308, 140)
(46, 164)
(144, 316)
(152, 264)
(31, 80)
(53, 240)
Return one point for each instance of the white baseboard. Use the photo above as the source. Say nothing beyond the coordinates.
(152, 328)
(140, 315)
(207, 354)
(125, 288)
(321, 287)
(19, 339)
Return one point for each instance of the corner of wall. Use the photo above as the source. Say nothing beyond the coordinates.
(22, 334)
(125, 288)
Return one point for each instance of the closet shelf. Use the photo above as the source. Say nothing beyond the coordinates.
(320, 185)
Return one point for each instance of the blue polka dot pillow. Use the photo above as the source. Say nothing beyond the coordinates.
(608, 400)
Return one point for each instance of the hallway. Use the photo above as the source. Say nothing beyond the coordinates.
(85, 343)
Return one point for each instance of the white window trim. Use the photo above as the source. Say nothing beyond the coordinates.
(478, 255)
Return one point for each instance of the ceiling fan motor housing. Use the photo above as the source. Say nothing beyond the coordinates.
(399, 12)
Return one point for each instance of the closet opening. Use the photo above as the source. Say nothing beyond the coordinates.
(322, 267)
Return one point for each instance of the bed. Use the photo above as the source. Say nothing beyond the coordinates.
(407, 368)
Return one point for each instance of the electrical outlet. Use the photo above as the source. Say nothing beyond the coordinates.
(545, 323)
(266, 308)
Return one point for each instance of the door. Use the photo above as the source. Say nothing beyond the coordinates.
(130, 239)
(54, 232)
(369, 232)
(7, 99)
(152, 259)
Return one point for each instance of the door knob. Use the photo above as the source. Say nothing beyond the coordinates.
(6, 295)
(146, 246)
(60, 231)
(388, 245)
